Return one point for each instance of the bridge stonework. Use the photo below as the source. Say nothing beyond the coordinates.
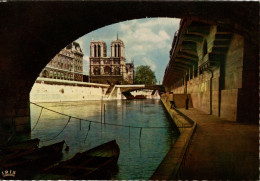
(223, 79)
(32, 33)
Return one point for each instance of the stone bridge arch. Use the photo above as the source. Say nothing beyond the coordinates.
(32, 33)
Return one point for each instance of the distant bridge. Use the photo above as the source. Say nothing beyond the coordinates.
(120, 89)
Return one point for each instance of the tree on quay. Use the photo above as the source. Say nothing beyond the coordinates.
(144, 75)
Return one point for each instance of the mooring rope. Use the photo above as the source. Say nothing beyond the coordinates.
(37, 120)
(81, 119)
(87, 132)
(97, 122)
(59, 132)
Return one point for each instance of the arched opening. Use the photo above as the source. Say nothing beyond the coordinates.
(45, 74)
(107, 70)
(99, 51)
(95, 50)
(36, 40)
(119, 51)
(116, 51)
(117, 71)
(96, 71)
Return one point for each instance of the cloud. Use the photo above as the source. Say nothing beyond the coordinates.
(86, 58)
(165, 22)
(150, 63)
(148, 35)
(147, 41)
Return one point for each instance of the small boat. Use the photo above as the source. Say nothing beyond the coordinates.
(19, 149)
(35, 160)
(140, 97)
(97, 163)
(24, 145)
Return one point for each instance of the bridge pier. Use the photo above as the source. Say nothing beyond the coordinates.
(118, 94)
(15, 108)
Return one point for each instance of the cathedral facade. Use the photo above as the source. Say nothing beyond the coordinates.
(109, 70)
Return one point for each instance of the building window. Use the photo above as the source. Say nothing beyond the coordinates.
(117, 71)
(119, 51)
(96, 71)
(58, 75)
(55, 75)
(107, 70)
(51, 74)
(115, 49)
(45, 74)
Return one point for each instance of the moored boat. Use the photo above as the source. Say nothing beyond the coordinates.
(27, 165)
(140, 97)
(19, 149)
(23, 145)
(97, 163)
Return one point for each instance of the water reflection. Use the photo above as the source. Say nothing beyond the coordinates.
(138, 157)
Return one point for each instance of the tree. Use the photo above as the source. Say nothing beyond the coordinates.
(144, 75)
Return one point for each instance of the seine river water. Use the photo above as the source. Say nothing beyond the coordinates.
(141, 151)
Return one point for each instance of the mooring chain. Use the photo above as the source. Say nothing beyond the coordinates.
(37, 120)
(111, 124)
(59, 132)
(89, 127)
(87, 132)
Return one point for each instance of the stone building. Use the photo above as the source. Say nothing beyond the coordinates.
(66, 65)
(216, 67)
(109, 70)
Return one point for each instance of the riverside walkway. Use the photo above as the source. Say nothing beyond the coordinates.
(216, 149)
(221, 149)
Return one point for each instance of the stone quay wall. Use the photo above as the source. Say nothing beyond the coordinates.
(49, 91)
(233, 87)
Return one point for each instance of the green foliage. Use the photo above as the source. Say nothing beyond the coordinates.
(144, 75)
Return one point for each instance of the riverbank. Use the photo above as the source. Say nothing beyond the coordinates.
(218, 149)
(172, 162)
(53, 90)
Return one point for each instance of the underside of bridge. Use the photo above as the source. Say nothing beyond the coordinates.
(218, 67)
(33, 32)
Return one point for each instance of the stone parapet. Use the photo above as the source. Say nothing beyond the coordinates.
(170, 167)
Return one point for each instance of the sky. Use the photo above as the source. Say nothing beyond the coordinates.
(147, 42)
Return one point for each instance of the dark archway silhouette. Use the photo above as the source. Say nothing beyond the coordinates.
(32, 33)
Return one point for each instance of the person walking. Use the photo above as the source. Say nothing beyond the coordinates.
(172, 100)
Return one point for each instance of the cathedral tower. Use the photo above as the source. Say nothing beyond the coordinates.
(98, 49)
(117, 48)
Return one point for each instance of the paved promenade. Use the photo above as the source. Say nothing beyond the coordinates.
(221, 149)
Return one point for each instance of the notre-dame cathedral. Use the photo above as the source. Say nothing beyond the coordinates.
(109, 70)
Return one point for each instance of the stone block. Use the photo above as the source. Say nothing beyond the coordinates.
(23, 128)
(22, 120)
(7, 121)
(228, 105)
(23, 111)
